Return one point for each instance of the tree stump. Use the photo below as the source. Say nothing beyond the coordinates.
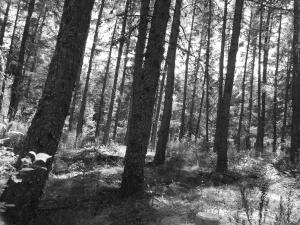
(207, 219)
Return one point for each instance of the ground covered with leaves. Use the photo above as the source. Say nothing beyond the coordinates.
(83, 188)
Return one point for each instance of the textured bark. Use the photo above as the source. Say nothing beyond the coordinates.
(207, 63)
(106, 76)
(221, 62)
(163, 132)
(3, 27)
(295, 132)
(114, 87)
(220, 144)
(244, 87)
(86, 86)
(46, 127)
(187, 61)
(143, 97)
(248, 143)
(16, 88)
(9, 57)
(191, 119)
(275, 87)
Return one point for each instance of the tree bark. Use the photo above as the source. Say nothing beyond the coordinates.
(197, 134)
(114, 88)
(86, 86)
(295, 132)
(220, 144)
(244, 87)
(46, 127)
(207, 65)
(3, 27)
(275, 87)
(16, 88)
(106, 76)
(163, 132)
(187, 61)
(143, 98)
(8, 61)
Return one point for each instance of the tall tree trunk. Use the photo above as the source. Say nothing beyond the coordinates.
(16, 88)
(207, 63)
(86, 86)
(275, 87)
(187, 61)
(223, 43)
(244, 87)
(46, 127)
(106, 75)
(197, 133)
(114, 88)
(8, 61)
(191, 119)
(254, 44)
(220, 144)
(143, 98)
(139, 50)
(163, 132)
(295, 132)
(158, 107)
(286, 105)
(259, 141)
(3, 27)
(121, 91)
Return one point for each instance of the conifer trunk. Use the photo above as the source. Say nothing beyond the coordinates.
(3, 27)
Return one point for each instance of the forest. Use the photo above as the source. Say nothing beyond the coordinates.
(167, 112)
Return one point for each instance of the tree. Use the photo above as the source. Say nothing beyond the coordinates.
(114, 88)
(187, 61)
(3, 27)
(143, 97)
(86, 87)
(220, 144)
(163, 132)
(16, 88)
(295, 132)
(46, 127)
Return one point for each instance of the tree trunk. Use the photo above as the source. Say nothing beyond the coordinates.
(295, 132)
(244, 87)
(163, 132)
(46, 127)
(275, 87)
(221, 63)
(16, 88)
(187, 61)
(3, 27)
(8, 61)
(106, 75)
(248, 142)
(114, 88)
(143, 97)
(207, 63)
(191, 119)
(220, 144)
(121, 91)
(286, 105)
(197, 134)
(259, 141)
(86, 86)
(158, 106)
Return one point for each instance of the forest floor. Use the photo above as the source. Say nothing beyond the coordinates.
(83, 189)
